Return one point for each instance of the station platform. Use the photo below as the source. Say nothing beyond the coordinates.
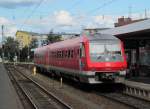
(8, 96)
(145, 80)
(138, 87)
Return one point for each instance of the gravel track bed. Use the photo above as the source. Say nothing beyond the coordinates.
(41, 99)
(76, 98)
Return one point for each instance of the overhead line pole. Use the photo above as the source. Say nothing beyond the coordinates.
(130, 12)
(146, 14)
(2, 42)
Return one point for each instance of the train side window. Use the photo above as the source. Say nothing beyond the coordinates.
(78, 52)
(62, 54)
(71, 53)
(53, 54)
(68, 53)
(57, 54)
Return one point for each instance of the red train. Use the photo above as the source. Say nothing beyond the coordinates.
(89, 58)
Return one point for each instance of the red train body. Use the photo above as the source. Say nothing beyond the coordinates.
(89, 58)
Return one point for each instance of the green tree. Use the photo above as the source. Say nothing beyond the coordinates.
(33, 44)
(24, 54)
(10, 48)
(53, 37)
(27, 51)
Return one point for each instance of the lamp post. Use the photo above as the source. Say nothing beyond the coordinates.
(28, 49)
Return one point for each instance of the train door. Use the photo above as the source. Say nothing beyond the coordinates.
(82, 58)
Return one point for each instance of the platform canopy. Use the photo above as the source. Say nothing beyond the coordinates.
(139, 29)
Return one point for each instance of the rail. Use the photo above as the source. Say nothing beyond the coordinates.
(39, 97)
(126, 100)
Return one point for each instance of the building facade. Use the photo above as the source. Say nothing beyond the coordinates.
(125, 21)
(25, 38)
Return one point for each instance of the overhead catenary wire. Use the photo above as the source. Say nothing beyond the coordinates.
(74, 5)
(30, 15)
(102, 6)
(99, 7)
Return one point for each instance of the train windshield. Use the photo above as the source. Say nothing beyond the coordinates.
(105, 52)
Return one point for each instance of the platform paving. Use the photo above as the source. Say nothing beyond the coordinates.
(8, 96)
(145, 80)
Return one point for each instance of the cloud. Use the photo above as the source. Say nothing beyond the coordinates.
(10, 31)
(63, 18)
(63, 21)
(4, 21)
(17, 3)
(104, 21)
(9, 27)
(59, 20)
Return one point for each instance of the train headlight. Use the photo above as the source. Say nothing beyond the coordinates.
(107, 59)
(122, 73)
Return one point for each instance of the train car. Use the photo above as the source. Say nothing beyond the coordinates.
(90, 58)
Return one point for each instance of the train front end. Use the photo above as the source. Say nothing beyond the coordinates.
(105, 59)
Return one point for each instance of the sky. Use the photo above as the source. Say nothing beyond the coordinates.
(69, 16)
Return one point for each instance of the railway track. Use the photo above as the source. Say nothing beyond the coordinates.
(38, 97)
(124, 99)
(130, 101)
